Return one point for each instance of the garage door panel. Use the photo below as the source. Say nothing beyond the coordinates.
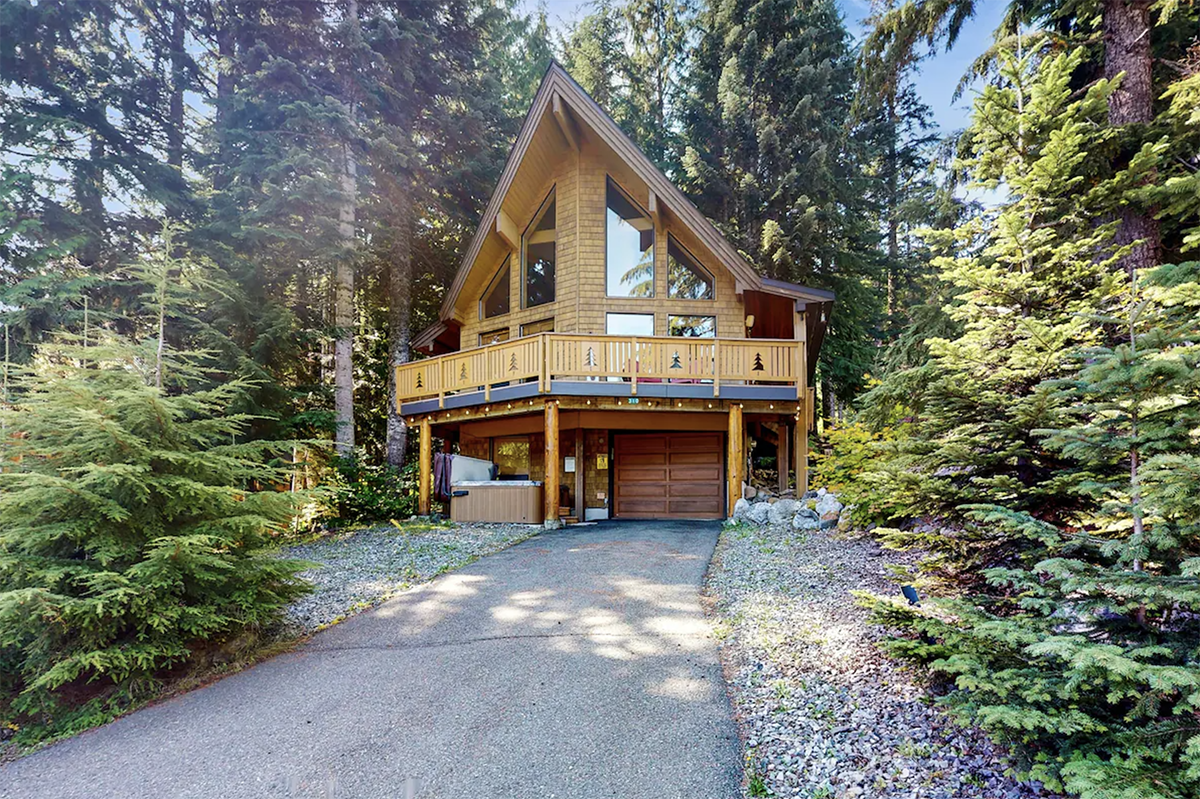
(684, 474)
(642, 507)
(682, 458)
(691, 490)
(671, 474)
(696, 507)
(641, 490)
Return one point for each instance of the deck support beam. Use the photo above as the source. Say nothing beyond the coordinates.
(425, 470)
(736, 456)
(553, 465)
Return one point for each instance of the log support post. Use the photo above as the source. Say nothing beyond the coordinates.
(425, 470)
(736, 456)
(553, 465)
(580, 504)
(783, 462)
(801, 454)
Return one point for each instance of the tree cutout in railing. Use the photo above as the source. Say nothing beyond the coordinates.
(589, 359)
(758, 364)
(420, 383)
(462, 376)
(512, 362)
(675, 364)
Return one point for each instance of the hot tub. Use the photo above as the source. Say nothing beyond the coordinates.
(516, 501)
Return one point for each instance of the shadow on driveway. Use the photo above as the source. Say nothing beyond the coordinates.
(576, 664)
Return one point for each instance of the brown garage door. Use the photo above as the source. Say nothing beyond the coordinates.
(668, 474)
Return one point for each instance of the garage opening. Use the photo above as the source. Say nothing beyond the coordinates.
(661, 475)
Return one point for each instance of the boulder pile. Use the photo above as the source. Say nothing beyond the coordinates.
(815, 510)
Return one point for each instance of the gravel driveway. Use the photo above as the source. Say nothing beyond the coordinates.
(576, 664)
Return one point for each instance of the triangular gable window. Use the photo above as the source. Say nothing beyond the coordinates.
(498, 296)
(539, 251)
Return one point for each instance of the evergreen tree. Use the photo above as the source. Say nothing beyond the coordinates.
(1088, 659)
(136, 520)
(1025, 277)
(772, 154)
(594, 54)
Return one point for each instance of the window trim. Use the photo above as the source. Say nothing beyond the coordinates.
(551, 196)
(712, 279)
(483, 298)
(713, 317)
(653, 247)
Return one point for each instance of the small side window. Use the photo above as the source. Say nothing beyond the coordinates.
(493, 336)
(540, 326)
(692, 326)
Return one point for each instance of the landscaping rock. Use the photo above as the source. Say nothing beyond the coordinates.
(783, 510)
(806, 519)
(828, 503)
(759, 513)
(740, 509)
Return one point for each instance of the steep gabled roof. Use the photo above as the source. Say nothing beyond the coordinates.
(558, 84)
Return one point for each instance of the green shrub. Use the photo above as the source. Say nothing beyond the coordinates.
(363, 493)
(130, 528)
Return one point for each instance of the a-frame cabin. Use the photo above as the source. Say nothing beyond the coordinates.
(603, 339)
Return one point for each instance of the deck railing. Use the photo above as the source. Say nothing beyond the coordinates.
(630, 359)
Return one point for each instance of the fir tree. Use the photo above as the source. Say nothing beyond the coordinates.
(135, 524)
(1025, 278)
(772, 155)
(1089, 662)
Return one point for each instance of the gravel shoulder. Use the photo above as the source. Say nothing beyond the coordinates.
(823, 713)
(361, 568)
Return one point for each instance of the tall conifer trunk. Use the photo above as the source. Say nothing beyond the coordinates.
(175, 110)
(399, 318)
(343, 310)
(1127, 50)
(343, 302)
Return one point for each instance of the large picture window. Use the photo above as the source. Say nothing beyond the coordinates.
(629, 246)
(498, 295)
(538, 245)
(686, 279)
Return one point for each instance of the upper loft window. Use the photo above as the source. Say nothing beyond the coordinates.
(629, 252)
(498, 295)
(686, 279)
(539, 256)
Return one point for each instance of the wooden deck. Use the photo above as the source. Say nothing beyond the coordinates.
(619, 362)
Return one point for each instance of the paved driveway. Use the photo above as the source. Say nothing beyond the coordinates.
(576, 664)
